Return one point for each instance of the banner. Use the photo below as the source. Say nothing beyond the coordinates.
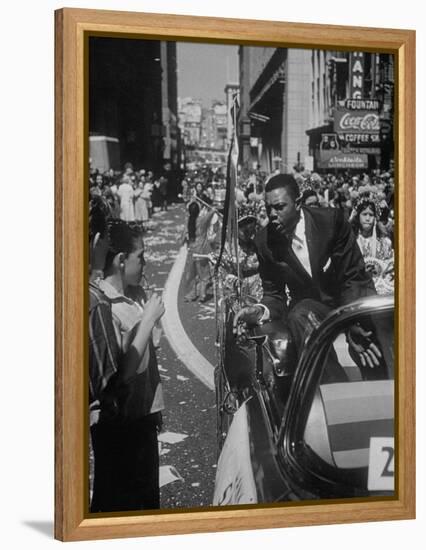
(234, 475)
(342, 160)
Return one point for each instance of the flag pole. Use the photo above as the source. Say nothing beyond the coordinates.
(230, 211)
(237, 260)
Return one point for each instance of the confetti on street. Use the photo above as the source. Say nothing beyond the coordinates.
(169, 474)
(171, 437)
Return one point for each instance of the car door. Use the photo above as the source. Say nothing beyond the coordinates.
(337, 435)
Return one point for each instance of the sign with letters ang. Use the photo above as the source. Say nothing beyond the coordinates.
(356, 74)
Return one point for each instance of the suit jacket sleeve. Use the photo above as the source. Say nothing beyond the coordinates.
(352, 279)
(274, 296)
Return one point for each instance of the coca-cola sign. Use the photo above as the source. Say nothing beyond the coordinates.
(348, 121)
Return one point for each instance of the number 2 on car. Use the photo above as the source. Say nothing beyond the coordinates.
(381, 464)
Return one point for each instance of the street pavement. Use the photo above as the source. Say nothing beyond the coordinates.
(188, 440)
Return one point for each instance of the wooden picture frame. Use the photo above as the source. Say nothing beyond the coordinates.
(72, 28)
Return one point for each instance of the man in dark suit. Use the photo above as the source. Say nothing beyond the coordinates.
(309, 263)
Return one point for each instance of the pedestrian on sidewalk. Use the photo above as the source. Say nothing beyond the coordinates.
(104, 356)
(141, 203)
(127, 448)
(163, 188)
(201, 243)
(156, 195)
(103, 346)
(190, 269)
(126, 195)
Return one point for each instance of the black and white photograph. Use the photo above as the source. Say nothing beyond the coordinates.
(241, 275)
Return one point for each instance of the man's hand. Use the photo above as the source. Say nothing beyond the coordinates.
(247, 316)
(362, 346)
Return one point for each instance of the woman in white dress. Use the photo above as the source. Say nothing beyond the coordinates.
(126, 195)
(141, 202)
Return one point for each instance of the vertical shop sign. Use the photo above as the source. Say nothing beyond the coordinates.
(356, 74)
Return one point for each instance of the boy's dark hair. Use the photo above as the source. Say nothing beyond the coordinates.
(122, 237)
(99, 214)
(284, 181)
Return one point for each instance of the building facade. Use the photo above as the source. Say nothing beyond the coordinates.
(171, 138)
(220, 111)
(208, 128)
(351, 110)
(190, 118)
(133, 101)
(273, 118)
(315, 109)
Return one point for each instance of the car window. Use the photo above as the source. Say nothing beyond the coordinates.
(353, 404)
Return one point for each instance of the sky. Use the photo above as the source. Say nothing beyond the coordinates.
(205, 69)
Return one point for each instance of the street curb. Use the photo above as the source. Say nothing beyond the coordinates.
(173, 328)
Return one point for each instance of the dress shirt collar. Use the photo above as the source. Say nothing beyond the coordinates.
(112, 293)
(299, 231)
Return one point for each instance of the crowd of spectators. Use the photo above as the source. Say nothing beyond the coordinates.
(133, 195)
(361, 196)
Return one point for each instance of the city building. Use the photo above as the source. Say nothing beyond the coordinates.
(190, 117)
(208, 128)
(171, 151)
(351, 110)
(204, 131)
(220, 111)
(315, 109)
(133, 104)
(275, 90)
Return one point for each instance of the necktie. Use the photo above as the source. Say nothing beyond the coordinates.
(301, 251)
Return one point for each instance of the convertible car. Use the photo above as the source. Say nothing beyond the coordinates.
(287, 429)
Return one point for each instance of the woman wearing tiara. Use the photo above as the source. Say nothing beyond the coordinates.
(375, 247)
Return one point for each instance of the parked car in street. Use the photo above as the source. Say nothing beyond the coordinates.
(286, 431)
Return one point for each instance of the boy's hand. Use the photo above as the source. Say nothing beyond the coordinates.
(153, 309)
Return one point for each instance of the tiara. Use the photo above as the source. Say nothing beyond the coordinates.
(366, 198)
(246, 211)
